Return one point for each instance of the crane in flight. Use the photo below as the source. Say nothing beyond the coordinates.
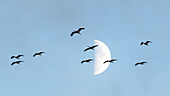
(77, 31)
(16, 62)
(92, 48)
(39, 53)
(88, 61)
(140, 63)
(145, 43)
(111, 61)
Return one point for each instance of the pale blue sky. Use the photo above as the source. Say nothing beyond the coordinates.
(29, 26)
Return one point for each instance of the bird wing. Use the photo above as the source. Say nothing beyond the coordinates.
(93, 46)
(82, 61)
(91, 59)
(86, 49)
(13, 63)
(34, 54)
(141, 43)
(88, 60)
(136, 64)
(113, 60)
(20, 55)
(148, 42)
(42, 52)
(81, 29)
(72, 33)
(20, 61)
(143, 62)
(12, 57)
(105, 61)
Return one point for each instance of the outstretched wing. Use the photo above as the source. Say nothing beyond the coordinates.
(20, 61)
(141, 43)
(95, 46)
(136, 64)
(12, 57)
(82, 62)
(90, 59)
(143, 62)
(86, 49)
(13, 63)
(105, 61)
(113, 60)
(72, 33)
(81, 29)
(20, 55)
(42, 52)
(34, 54)
(148, 42)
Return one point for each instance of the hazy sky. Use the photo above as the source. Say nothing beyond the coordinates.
(29, 26)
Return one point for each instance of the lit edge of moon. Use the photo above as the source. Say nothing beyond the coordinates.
(102, 53)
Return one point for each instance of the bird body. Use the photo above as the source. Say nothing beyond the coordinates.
(111, 61)
(145, 43)
(140, 63)
(92, 48)
(17, 62)
(40, 53)
(88, 61)
(78, 31)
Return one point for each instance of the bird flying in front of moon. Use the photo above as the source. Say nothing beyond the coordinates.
(88, 61)
(111, 61)
(90, 48)
(102, 53)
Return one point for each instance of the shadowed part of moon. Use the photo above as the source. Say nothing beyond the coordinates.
(102, 53)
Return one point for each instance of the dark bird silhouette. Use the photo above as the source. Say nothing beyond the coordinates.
(17, 62)
(88, 61)
(78, 31)
(145, 43)
(140, 63)
(17, 57)
(92, 48)
(40, 53)
(111, 61)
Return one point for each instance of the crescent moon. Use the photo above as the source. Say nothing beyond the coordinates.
(102, 53)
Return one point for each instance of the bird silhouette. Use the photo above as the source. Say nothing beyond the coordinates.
(88, 61)
(78, 31)
(17, 57)
(145, 43)
(111, 61)
(39, 53)
(140, 63)
(17, 62)
(92, 48)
